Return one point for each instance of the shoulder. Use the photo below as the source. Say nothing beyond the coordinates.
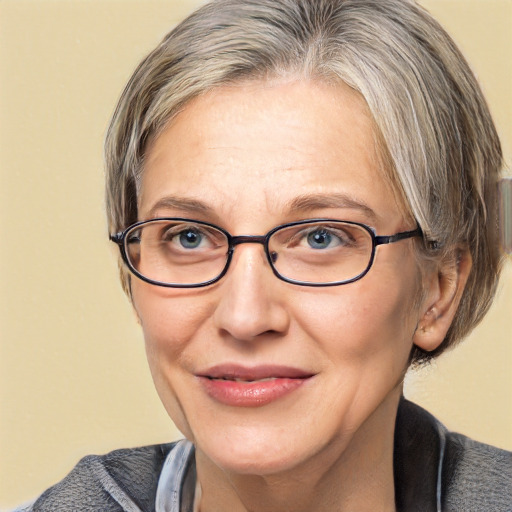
(467, 475)
(123, 480)
(476, 476)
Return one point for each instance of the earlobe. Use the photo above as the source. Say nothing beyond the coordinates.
(442, 299)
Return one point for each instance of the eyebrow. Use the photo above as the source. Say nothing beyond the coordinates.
(308, 202)
(180, 203)
(303, 203)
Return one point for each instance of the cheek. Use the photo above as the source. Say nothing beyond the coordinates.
(363, 321)
(169, 317)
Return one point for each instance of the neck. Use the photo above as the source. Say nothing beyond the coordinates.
(354, 472)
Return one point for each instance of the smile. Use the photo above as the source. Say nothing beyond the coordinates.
(251, 387)
(267, 379)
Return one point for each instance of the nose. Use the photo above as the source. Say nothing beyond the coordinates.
(252, 302)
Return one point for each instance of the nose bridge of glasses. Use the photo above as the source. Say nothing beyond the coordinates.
(247, 239)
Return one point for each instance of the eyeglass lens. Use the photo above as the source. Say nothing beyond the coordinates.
(190, 253)
(326, 252)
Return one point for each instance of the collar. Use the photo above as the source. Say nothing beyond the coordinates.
(176, 485)
(419, 449)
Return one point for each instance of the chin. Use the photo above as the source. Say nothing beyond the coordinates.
(247, 462)
(255, 451)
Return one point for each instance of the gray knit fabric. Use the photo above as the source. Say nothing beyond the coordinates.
(435, 471)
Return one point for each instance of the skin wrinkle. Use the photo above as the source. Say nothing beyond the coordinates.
(299, 206)
(345, 97)
(311, 480)
(356, 339)
(334, 46)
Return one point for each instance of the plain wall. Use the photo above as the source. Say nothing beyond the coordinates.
(73, 375)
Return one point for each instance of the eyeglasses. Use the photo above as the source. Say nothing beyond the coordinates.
(185, 253)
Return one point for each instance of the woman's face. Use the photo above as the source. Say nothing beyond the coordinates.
(328, 361)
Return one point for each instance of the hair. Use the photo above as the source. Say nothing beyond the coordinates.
(433, 126)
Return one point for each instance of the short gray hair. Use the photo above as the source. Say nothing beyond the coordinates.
(434, 129)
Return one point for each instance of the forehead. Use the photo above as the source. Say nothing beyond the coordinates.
(260, 145)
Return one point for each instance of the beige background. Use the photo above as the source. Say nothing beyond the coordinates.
(73, 377)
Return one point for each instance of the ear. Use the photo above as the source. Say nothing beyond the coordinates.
(444, 290)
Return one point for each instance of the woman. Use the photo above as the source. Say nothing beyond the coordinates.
(303, 193)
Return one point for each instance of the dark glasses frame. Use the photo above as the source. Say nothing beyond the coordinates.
(121, 239)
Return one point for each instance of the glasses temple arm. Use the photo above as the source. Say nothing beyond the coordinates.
(380, 240)
(117, 238)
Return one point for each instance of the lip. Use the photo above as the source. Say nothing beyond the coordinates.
(241, 386)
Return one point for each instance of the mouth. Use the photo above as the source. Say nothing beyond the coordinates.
(235, 379)
(240, 386)
(239, 373)
(248, 381)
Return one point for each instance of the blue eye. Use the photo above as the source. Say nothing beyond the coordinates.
(319, 239)
(190, 239)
